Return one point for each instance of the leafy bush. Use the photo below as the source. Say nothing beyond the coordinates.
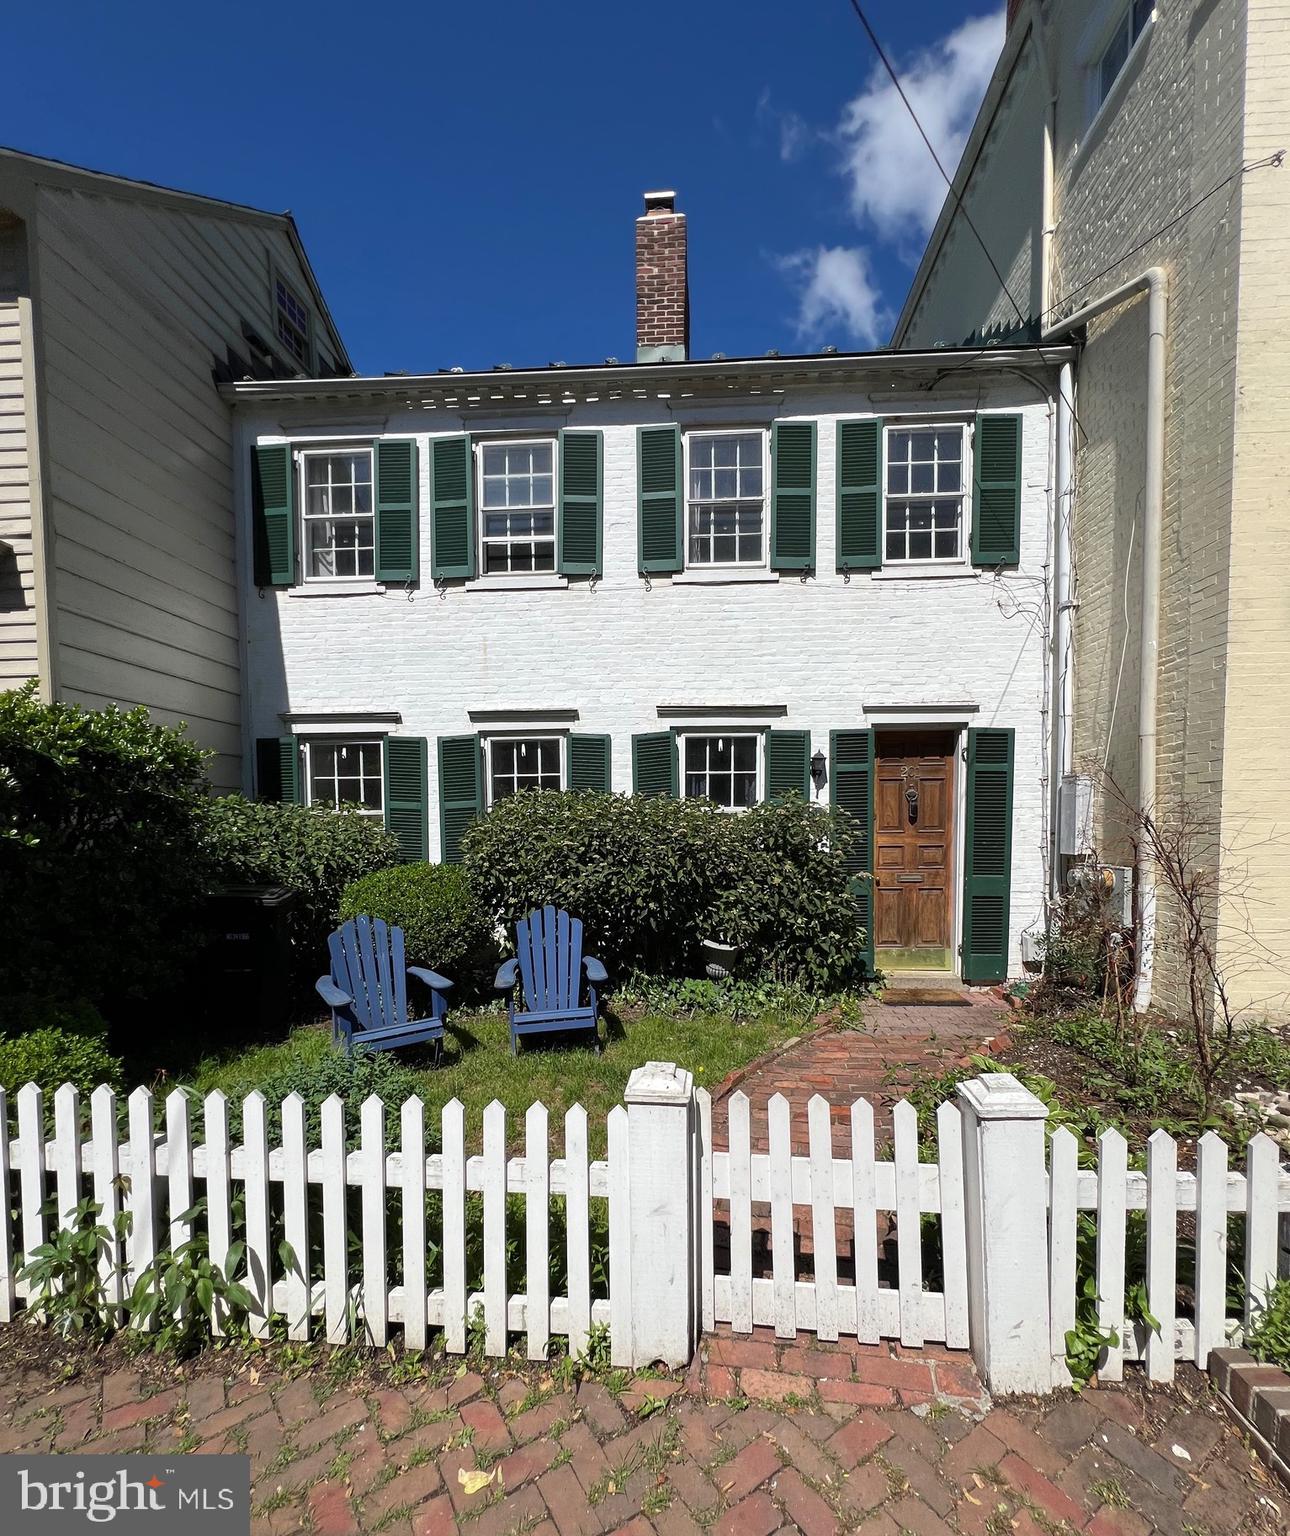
(1268, 1340)
(650, 878)
(35, 1010)
(51, 1056)
(314, 852)
(444, 927)
(100, 816)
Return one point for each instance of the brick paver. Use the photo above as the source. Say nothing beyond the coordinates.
(866, 1439)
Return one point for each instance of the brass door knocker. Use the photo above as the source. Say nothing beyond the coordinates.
(911, 794)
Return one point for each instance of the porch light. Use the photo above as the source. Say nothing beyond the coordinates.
(817, 770)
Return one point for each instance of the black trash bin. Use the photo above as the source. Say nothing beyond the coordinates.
(249, 961)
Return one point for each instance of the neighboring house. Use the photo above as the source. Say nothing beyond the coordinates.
(1124, 175)
(121, 306)
(733, 578)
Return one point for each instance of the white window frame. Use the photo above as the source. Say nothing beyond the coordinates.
(1098, 37)
(490, 741)
(690, 436)
(525, 441)
(305, 362)
(931, 562)
(324, 451)
(309, 743)
(758, 739)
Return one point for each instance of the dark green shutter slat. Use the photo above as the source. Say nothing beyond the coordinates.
(658, 475)
(277, 769)
(996, 491)
(395, 472)
(792, 508)
(581, 502)
(461, 795)
(589, 763)
(859, 496)
(406, 792)
(987, 859)
(452, 508)
(654, 767)
(851, 790)
(273, 515)
(788, 764)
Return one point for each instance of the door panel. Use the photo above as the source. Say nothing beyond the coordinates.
(913, 848)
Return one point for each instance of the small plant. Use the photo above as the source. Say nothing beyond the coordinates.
(1268, 1339)
(52, 1056)
(1087, 1339)
(180, 1290)
(68, 1291)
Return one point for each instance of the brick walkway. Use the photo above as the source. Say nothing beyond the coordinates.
(758, 1439)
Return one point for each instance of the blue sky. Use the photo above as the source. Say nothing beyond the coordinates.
(466, 178)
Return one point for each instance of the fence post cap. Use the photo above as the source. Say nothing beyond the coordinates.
(999, 1096)
(659, 1082)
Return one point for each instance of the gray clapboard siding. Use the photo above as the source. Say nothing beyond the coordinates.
(18, 657)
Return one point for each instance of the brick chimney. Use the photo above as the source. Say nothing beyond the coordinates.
(662, 287)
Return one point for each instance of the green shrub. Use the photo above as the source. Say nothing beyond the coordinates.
(34, 1010)
(650, 878)
(444, 927)
(314, 852)
(100, 844)
(50, 1057)
(1268, 1340)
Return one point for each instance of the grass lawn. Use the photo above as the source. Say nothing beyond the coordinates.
(478, 1066)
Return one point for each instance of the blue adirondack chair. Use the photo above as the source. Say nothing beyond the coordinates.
(367, 990)
(550, 964)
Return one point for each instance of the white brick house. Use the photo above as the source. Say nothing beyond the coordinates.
(674, 577)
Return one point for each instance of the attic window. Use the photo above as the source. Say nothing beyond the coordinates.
(293, 321)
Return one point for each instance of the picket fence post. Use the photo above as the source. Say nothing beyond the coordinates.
(1006, 1216)
(661, 1228)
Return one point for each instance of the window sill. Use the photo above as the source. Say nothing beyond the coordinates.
(337, 589)
(724, 577)
(914, 570)
(537, 582)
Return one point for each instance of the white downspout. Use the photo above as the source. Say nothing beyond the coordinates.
(1154, 281)
(1063, 608)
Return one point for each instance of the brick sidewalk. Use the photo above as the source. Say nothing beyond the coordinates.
(759, 1438)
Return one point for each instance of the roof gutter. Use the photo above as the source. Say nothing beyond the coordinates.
(1155, 283)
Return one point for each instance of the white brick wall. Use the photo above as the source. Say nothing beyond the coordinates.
(827, 650)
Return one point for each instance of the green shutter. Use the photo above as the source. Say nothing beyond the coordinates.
(277, 769)
(851, 790)
(654, 769)
(987, 858)
(452, 508)
(792, 507)
(461, 792)
(658, 478)
(582, 458)
(589, 763)
(788, 764)
(395, 472)
(273, 515)
(859, 496)
(996, 491)
(404, 763)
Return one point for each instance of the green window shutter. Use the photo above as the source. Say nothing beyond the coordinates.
(452, 508)
(461, 792)
(851, 790)
(996, 491)
(406, 793)
(987, 856)
(273, 515)
(277, 769)
(582, 477)
(589, 763)
(395, 472)
(792, 507)
(654, 768)
(658, 479)
(788, 764)
(859, 496)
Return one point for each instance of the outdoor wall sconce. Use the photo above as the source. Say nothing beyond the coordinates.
(817, 771)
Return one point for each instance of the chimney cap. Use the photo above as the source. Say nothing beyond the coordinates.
(660, 202)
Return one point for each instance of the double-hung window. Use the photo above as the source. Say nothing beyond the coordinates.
(345, 773)
(339, 525)
(293, 320)
(1128, 29)
(517, 506)
(925, 493)
(725, 769)
(523, 762)
(726, 498)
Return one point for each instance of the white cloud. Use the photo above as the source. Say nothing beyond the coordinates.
(838, 296)
(894, 186)
(793, 131)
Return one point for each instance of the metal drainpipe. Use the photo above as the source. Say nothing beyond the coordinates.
(1063, 608)
(1154, 281)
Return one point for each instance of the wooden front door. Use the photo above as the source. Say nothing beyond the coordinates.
(913, 841)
